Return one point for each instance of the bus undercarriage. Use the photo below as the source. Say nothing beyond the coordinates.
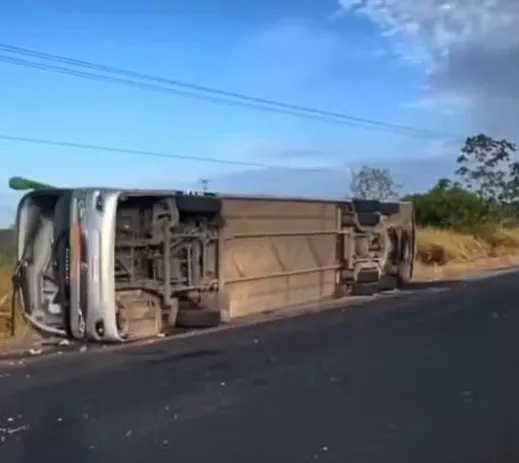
(166, 257)
(112, 265)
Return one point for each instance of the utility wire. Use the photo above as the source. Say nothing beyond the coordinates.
(156, 88)
(201, 92)
(209, 98)
(199, 96)
(154, 154)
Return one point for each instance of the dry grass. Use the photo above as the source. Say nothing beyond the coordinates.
(441, 253)
(5, 300)
(23, 331)
(446, 247)
(445, 253)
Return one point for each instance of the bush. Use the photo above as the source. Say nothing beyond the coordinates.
(450, 206)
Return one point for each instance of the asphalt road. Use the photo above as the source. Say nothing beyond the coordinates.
(429, 376)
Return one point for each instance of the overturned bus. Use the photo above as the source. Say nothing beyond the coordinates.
(111, 265)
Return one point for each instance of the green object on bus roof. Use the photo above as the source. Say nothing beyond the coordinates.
(22, 183)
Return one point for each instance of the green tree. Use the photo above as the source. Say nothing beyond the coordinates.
(488, 168)
(373, 183)
(449, 205)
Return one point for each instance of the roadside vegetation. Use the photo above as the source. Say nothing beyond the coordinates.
(468, 220)
(464, 220)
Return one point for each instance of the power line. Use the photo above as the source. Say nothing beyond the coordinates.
(204, 183)
(204, 97)
(209, 98)
(201, 92)
(145, 153)
(183, 93)
(154, 88)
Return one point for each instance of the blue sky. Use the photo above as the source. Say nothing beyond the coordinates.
(297, 51)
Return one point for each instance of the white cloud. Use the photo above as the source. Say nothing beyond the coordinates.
(470, 49)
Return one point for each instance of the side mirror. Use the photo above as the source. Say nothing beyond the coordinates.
(22, 184)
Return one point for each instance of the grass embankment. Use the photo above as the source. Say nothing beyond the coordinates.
(23, 331)
(5, 300)
(440, 253)
(446, 251)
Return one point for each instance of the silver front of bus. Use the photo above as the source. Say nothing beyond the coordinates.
(78, 269)
(101, 325)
